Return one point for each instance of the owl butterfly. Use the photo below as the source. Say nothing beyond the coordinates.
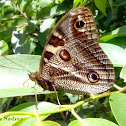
(72, 60)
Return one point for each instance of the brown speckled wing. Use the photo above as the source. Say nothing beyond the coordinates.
(72, 59)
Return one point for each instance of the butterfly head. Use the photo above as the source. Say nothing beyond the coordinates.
(33, 76)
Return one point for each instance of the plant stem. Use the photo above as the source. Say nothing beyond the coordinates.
(78, 117)
(63, 108)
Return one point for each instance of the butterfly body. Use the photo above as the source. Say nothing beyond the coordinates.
(72, 59)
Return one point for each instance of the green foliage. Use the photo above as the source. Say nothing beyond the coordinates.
(101, 5)
(93, 121)
(24, 28)
(118, 105)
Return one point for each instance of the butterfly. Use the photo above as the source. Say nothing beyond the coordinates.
(72, 60)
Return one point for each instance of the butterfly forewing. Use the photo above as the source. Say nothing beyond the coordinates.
(72, 59)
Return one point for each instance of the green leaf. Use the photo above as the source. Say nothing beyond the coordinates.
(76, 2)
(116, 54)
(10, 120)
(31, 26)
(52, 11)
(116, 37)
(111, 3)
(50, 123)
(26, 119)
(101, 5)
(119, 42)
(118, 106)
(59, 1)
(17, 40)
(6, 36)
(44, 26)
(123, 73)
(21, 43)
(32, 44)
(45, 29)
(58, 10)
(23, 4)
(92, 122)
(21, 121)
(73, 98)
(12, 81)
(3, 48)
(2, 2)
(31, 107)
(13, 92)
(20, 21)
(45, 3)
(121, 30)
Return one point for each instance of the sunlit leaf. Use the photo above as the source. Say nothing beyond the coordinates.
(101, 5)
(118, 106)
(92, 122)
(116, 54)
(123, 73)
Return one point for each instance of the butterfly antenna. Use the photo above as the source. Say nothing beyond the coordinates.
(24, 69)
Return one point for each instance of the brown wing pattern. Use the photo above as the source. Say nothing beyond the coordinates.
(72, 59)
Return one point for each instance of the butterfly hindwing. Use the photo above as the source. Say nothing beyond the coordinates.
(72, 59)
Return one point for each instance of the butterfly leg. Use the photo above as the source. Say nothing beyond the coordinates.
(56, 95)
(36, 99)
